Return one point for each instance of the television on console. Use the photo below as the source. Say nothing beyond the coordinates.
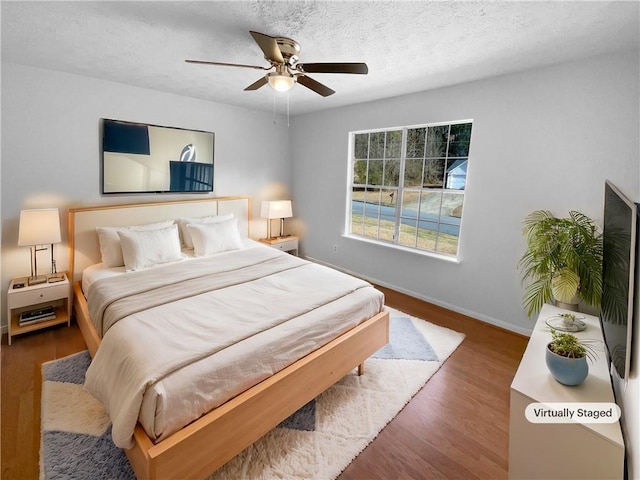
(144, 158)
(618, 274)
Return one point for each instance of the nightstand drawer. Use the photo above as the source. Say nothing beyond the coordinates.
(286, 246)
(38, 295)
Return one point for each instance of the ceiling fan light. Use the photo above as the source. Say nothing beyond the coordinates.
(280, 83)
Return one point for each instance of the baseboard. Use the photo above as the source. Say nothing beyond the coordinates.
(454, 308)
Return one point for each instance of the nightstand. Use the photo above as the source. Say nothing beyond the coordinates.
(286, 244)
(32, 298)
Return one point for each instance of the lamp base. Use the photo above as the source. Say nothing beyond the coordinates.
(271, 239)
(37, 280)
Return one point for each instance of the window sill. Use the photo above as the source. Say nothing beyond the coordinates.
(414, 251)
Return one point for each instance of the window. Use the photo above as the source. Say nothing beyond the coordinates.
(407, 185)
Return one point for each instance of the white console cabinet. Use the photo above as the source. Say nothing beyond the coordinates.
(562, 450)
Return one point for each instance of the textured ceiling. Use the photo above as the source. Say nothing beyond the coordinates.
(408, 46)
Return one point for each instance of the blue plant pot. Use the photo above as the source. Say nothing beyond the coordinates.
(568, 371)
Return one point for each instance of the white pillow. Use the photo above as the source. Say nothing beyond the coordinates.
(184, 221)
(145, 248)
(110, 249)
(209, 238)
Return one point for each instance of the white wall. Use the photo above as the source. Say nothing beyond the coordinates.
(51, 149)
(542, 139)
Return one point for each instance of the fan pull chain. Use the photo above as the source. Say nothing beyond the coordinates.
(274, 107)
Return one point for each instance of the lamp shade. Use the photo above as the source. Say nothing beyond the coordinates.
(276, 209)
(281, 80)
(281, 83)
(39, 227)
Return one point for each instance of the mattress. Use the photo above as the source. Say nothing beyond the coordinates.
(257, 312)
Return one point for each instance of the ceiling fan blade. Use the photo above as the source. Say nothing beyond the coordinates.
(203, 62)
(317, 87)
(269, 46)
(257, 84)
(359, 68)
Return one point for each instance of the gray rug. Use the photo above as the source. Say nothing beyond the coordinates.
(318, 441)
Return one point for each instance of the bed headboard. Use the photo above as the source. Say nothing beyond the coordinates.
(84, 249)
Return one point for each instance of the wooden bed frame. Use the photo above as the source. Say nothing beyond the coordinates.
(206, 444)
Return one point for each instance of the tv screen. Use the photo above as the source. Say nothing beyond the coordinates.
(618, 272)
(144, 158)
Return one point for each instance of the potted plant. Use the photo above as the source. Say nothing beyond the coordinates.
(566, 358)
(563, 260)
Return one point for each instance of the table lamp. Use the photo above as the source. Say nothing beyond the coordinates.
(276, 209)
(39, 227)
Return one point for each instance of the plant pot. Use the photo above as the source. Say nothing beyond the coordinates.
(572, 307)
(568, 371)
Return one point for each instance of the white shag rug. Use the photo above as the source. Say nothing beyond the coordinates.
(318, 442)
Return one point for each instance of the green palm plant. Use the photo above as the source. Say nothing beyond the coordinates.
(563, 260)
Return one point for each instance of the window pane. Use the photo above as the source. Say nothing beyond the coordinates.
(457, 174)
(410, 203)
(437, 138)
(451, 209)
(415, 142)
(375, 172)
(376, 145)
(361, 145)
(459, 140)
(430, 204)
(433, 173)
(371, 212)
(413, 172)
(372, 199)
(388, 197)
(360, 172)
(387, 228)
(408, 232)
(388, 210)
(357, 208)
(449, 228)
(427, 233)
(371, 227)
(392, 173)
(357, 226)
(393, 147)
(357, 195)
(448, 242)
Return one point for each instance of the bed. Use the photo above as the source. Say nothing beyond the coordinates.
(244, 415)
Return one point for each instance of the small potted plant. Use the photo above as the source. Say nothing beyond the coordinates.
(566, 358)
(566, 322)
(563, 261)
(568, 319)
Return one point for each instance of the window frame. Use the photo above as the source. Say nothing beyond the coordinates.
(401, 189)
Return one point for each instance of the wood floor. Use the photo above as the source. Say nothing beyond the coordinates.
(456, 427)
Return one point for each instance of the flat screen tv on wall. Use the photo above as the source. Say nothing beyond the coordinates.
(144, 158)
(618, 278)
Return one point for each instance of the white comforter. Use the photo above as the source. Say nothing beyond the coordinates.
(257, 307)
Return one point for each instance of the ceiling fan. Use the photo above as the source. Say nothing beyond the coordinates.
(282, 53)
